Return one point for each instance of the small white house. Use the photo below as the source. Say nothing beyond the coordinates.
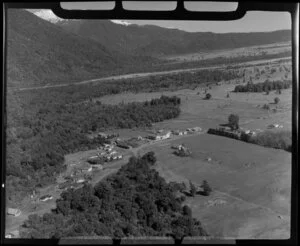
(14, 211)
(46, 198)
(79, 181)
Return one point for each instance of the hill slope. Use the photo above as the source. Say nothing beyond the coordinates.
(39, 52)
(154, 40)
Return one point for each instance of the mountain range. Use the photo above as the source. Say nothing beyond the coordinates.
(158, 41)
(41, 52)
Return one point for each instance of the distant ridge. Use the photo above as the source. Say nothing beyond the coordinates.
(157, 41)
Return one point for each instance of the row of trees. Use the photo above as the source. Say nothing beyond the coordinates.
(135, 201)
(264, 86)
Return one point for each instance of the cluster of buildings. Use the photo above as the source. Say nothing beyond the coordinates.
(108, 153)
(159, 136)
(166, 135)
(271, 126)
(187, 131)
(181, 150)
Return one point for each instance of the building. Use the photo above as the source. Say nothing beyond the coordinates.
(81, 180)
(45, 198)
(197, 129)
(13, 211)
(160, 136)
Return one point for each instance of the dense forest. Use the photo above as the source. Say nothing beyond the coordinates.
(36, 147)
(135, 201)
(264, 86)
(277, 140)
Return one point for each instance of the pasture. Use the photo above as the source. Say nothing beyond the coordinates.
(251, 185)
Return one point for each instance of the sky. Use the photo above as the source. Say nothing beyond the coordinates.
(253, 21)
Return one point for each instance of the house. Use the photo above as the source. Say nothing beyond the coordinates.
(45, 198)
(14, 211)
(81, 180)
(197, 129)
(164, 136)
(274, 126)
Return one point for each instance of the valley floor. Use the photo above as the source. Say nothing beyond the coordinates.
(251, 184)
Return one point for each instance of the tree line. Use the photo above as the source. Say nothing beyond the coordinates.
(263, 86)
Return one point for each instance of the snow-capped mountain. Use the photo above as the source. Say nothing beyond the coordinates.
(46, 14)
(121, 22)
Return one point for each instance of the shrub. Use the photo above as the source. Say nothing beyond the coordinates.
(208, 96)
(187, 211)
(193, 189)
(206, 188)
(276, 100)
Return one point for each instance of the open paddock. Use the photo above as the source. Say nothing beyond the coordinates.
(254, 182)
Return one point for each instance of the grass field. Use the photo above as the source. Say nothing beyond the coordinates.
(254, 183)
(230, 53)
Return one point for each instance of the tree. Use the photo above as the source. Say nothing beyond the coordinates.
(192, 189)
(266, 106)
(187, 211)
(208, 96)
(206, 188)
(276, 100)
(233, 121)
(150, 157)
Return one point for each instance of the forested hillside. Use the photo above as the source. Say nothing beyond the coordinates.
(39, 52)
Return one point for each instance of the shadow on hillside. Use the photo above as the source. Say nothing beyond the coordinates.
(186, 193)
(225, 124)
(202, 193)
